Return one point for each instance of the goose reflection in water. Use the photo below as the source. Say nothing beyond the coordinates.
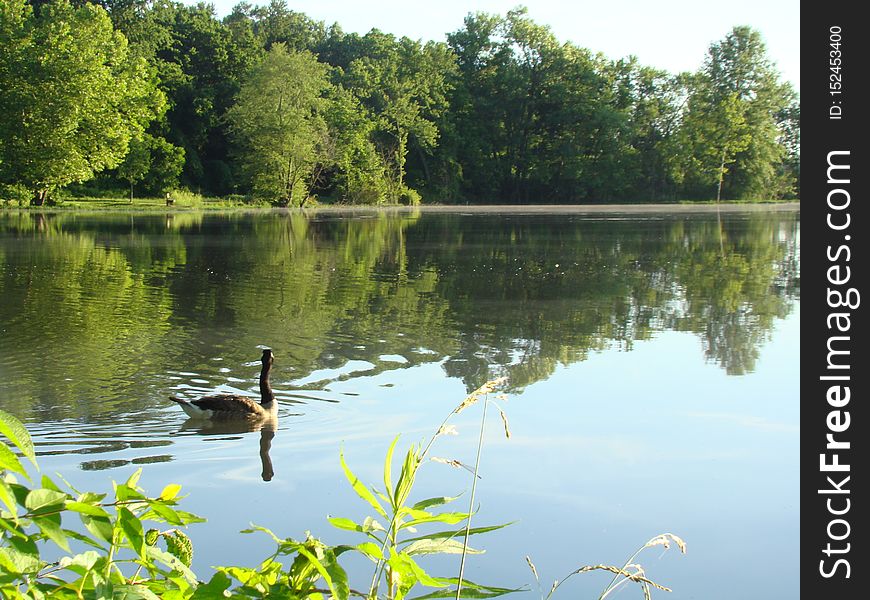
(266, 426)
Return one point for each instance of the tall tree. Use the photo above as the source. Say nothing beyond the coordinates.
(403, 84)
(731, 132)
(279, 124)
(532, 112)
(53, 134)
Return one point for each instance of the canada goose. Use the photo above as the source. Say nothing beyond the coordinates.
(223, 406)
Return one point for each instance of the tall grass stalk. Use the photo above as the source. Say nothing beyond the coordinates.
(471, 500)
(398, 497)
(628, 572)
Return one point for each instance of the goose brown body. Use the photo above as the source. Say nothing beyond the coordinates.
(220, 406)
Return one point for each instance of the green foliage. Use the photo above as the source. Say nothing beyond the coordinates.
(733, 131)
(278, 122)
(402, 85)
(359, 174)
(504, 112)
(388, 544)
(52, 134)
(154, 162)
(113, 535)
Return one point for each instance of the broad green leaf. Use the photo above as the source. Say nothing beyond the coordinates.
(134, 592)
(7, 563)
(167, 513)
(469, 590)
(154, 553)
(86, 509)
(214, 589)
(170, 492)
(342, 523)
(388, 471)
(99, 527)
(24, 545)
(373, 551)
(132, 528)
(10, 462)
(438, 546)
(49, 484)
(124, 492)
(459, 532)
(13, 561)
(8, 500)
(361, 490)
(90, 498)
(15, 431)
(85, 560)
(133, 481)
(406, 477)
(23, 555)
(49, 525)
(429, 502)
(451, 518)
(40, 501)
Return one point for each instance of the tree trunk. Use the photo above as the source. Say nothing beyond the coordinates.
(39, 197)
(721, 177)
(425, 163)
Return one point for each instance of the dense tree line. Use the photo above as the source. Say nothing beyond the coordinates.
(266, 102)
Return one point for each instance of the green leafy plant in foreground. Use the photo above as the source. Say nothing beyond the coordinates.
(389, 546)
(113, 555)
(118, 557)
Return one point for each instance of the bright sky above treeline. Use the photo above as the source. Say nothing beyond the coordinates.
(668, 34)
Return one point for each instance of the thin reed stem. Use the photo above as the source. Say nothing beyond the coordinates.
(471, 501)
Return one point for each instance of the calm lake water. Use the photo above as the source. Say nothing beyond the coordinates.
(652, 362)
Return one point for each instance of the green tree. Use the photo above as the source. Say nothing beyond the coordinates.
(732, 131)
(358, 174)
(404, 85)
(154, 162)
(54, 134)
(279, 124)
(714, 130)
(136, 164)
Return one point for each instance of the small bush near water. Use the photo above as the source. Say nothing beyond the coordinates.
(132, 545)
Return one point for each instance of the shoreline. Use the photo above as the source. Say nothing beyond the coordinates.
(507, 209)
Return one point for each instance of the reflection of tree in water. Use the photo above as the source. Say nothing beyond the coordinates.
(616, 282)
(116, 304)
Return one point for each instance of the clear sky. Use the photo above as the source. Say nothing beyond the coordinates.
(668, 34)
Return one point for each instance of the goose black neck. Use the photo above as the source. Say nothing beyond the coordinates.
(266, 394)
